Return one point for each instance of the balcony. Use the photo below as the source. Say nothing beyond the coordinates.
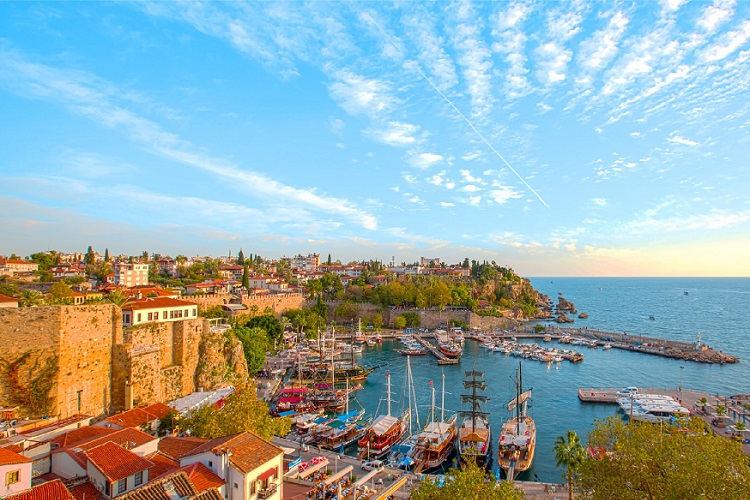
(268, 490)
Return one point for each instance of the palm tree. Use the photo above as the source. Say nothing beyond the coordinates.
(117, 298)
(31, 298)
(571, 454)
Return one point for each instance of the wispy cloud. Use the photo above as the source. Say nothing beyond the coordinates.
(399, 134)
(681, 140)
(88, 96)
(424, 161)
(360, 95)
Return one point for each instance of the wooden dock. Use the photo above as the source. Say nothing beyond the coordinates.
(599, 395)
(442, 358)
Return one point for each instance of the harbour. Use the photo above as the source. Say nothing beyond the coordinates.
(556, 406)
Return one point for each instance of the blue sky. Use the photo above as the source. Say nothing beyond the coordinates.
(559, 138)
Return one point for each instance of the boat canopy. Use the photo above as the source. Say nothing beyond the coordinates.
(383, 423)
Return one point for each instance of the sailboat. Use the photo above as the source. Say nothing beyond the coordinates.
(385, 431)
(343, 430)
(437, 440)
(399, 457)
(474, 435)
(515, 449)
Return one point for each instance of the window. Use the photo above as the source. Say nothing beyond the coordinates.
(195, 312)
(163, 315)
(210, 463)
(139, 317)
(122, 485)
(12, 477)
(151, 316)
(235, 486)
(186, 313)
(138, 478)
(252, 487)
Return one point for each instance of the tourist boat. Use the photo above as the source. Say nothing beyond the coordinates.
(385, 431)
(412, 351)
(341, 432)
(517, 443)
(474, 435)
(655, 412)
(607, 346)
(359, 337)
(400, 454)
(437, 441)
(452, 351)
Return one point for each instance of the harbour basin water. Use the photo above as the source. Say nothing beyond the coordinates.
(714, 307)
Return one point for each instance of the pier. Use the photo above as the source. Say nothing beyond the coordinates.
(442, 358)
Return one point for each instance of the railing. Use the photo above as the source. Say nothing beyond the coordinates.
(267, 491)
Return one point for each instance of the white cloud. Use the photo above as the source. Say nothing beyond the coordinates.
(450, 185)
(475, 200)
(597, 52)
(361, 95)
(469, 188)
(424, 161)
(476, 61)
(410, 179)
(728, 43)
(471, 156)
(714, 219)
(599, 201)
(511, 41)
(681, 140)
(503, 195)
(716, 14)
(336, 125)
(467, 176)
(447, 204)
(436, 179)
(636, 134)
(553, 63)
(398, 134)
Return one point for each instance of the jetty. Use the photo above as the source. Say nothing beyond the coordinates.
(442, 358)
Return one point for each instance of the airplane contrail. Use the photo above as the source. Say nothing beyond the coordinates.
(458, 111)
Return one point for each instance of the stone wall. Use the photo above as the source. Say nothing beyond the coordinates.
(81, 339)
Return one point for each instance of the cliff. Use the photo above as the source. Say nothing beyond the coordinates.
(221, 362)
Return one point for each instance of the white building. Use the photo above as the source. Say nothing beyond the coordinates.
(157, 310)
(15, 473)
(130, 274)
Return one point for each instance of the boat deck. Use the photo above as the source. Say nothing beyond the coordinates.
(442, 358)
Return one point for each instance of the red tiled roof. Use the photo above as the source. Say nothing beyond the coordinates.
(249, 451)
(8, 457)
(16, 448)
(178, 447)
(155, 303)
(140, 416)
(53, 490)
(200, 476)
(127, 437)
(59, 423)
(115, 462)
(163, 464)
(80, 434)
(6, 298)
(86, 491)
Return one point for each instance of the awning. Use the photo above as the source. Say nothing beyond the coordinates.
(292, 399)
(340, 474)
(365, 478)
(382, 495)
(269, 473)
(287, 413)
(312, 469)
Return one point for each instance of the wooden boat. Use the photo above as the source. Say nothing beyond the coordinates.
(517, 443)
(452, 351)
(437, 441)
(474, 435)
(385, 431)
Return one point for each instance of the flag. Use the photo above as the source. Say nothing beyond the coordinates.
(430, 383)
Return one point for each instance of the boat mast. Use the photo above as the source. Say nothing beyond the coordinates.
(518, 397)
(388, 385)
(442, 401)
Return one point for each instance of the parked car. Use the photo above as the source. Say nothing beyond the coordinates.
(373, 465)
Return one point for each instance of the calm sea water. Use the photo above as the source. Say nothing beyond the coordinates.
(717, 308)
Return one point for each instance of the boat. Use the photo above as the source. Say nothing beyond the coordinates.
(359, 337)
(450, 350)
(437, 441)
(517, 443)
(384, 432)
(342, 431)
(400, 454)
(412, 351)
(607, 347)
(474, 435)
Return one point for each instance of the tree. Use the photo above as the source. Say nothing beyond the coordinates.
(144, 256)
(90, 256)
(642, 460)
(117, 297)
(399, 323)
(31, 298)
(377, 321)
(241, 258)
(9, 288)
(106, 255)
(254, 345)
(329, 259)
(469, 483)
(60, 293)
(241, 412)
(245, 278)
(413, 320)
(348, 311)
(270, 325)
(571, 454)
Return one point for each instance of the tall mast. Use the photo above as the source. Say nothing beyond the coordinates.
(388, 384)
(442, 401)
(346, 396)
(518, 397)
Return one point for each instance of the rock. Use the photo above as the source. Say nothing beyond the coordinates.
(221, 362)
(583, 315)
(563, 318)
(564, 305)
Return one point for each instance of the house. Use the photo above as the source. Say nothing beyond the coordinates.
(12, 267)
(51, 490)
(192, 483)
(114, 470)
(70, 461)
(233, 271)
(15, 472)
(144, 419)
(158, 309)
(130, 274)
(6, 301)
(251, 466)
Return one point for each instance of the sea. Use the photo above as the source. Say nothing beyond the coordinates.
(714, 310)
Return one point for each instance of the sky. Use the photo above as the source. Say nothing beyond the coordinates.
(557, 138)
